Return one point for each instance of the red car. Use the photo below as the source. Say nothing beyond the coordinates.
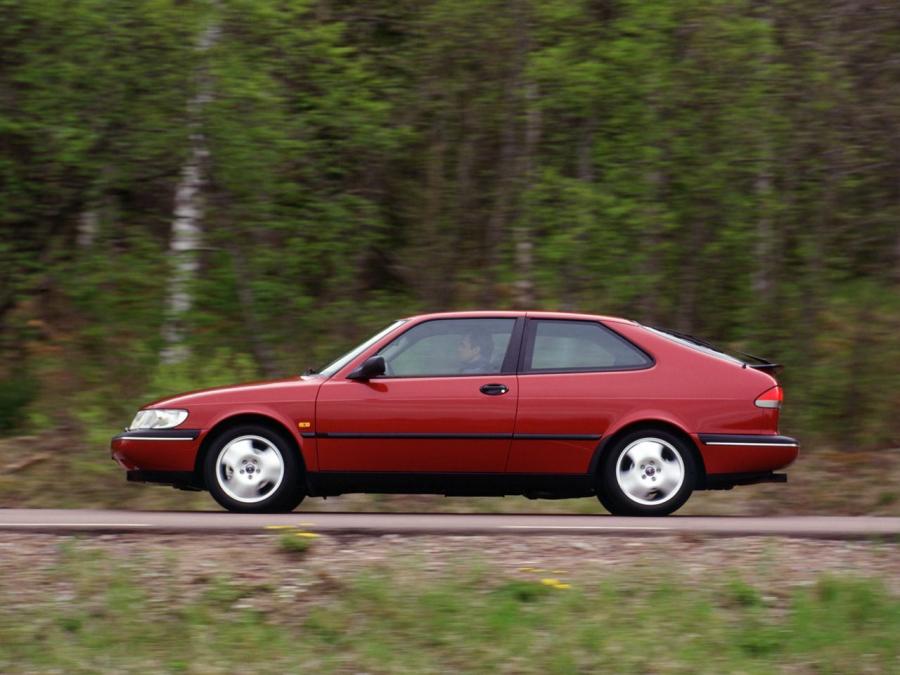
(541, 404)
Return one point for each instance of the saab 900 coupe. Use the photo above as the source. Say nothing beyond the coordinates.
(541, 404)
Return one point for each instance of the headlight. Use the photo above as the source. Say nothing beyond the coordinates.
(158, 419)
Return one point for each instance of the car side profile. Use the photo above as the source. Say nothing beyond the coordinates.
(541, 404)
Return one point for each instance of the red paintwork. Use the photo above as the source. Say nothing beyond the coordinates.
(415, 405)
(155, 455)
(740, 459)
(686, 388)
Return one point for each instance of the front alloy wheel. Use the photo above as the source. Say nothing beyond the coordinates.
(253, 469)
(647, 473)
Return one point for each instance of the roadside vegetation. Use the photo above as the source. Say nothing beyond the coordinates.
(97, 613)
(200, 193)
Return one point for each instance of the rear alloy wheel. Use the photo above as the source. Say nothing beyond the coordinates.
(253, 469)
(649, 472)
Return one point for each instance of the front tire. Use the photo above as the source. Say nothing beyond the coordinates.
(253, 469)
(649, 472)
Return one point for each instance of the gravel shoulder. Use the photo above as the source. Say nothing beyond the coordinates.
(28, 561)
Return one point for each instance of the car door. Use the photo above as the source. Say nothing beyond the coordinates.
(441, 406)
(575, 377)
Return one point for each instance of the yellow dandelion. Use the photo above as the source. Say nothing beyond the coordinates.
(308, 535)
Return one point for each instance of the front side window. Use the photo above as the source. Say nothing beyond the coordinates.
(580, 345)
(449, 347)
(339, 363)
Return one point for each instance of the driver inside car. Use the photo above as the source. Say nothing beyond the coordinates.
(474, 351)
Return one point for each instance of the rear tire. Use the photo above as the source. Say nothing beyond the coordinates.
(648, 472)
(254, 469)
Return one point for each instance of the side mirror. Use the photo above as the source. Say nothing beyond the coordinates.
(371, 367)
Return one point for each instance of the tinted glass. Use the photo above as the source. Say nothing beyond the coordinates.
(449, 347)
(339, 363)
(699, 348)
(581, 345)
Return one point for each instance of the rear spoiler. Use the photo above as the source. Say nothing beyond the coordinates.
(761, 364)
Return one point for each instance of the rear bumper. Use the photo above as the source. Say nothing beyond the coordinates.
(162, 450)
(751, 454)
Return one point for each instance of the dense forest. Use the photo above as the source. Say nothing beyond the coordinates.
(201, 193)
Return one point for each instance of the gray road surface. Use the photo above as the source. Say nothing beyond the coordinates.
(823, 527)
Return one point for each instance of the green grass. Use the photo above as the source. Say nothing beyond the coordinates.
(295, 541)
(117, 617)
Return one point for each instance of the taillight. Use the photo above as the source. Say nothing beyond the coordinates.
(770, 398)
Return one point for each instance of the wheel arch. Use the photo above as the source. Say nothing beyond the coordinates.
(608, 442)
(235, 420)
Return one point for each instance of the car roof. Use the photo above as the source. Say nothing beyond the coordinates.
(474, 314)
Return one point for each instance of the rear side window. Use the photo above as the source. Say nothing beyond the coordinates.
(580, 346)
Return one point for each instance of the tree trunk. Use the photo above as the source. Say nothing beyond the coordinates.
(509, 169)
(524, 250)
(766, 247)
(87, 228)
(187, 234)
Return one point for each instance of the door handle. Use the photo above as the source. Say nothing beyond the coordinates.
(494, 389)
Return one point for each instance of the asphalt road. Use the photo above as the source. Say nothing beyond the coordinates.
(822, 527)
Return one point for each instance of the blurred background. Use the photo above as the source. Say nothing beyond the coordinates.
(202, 193)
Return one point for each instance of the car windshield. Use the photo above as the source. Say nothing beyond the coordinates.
(339, 363)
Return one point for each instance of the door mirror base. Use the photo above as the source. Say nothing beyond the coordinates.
(371, 367)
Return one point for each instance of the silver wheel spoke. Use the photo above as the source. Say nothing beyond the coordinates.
(655, 471)
(250, 469)
(631, 483)
(271, 467)
(242, 487)
(636, 458)
(234, 453)
(649, 450)
(669, 480)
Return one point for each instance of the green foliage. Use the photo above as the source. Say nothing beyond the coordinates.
(402, 618)
(294, 542)
(16, 392)
(717, 167)
(743, 594)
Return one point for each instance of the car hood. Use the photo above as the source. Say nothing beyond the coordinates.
(300, 388)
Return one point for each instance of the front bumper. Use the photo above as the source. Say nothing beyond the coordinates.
(157, 450)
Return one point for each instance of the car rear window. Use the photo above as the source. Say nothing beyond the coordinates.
(695, 344)
(562, 345)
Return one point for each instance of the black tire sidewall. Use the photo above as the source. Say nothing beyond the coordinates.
(617, 502)
(288, 495)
